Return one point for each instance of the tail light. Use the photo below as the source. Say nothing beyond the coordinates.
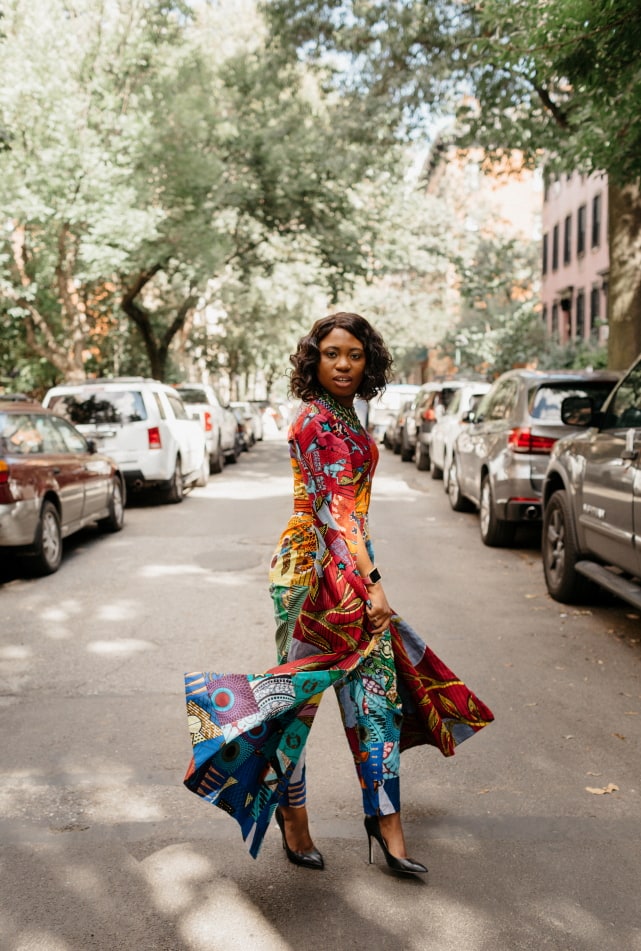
(429, 415)
(4, 473)
(522, 440)
(208, 425)
(153, 434)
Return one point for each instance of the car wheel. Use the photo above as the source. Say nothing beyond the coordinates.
(116, 518)
(422, 457)
(396, 448)
(203, 475)
(217, 460)
(446, 474)
(560, 552)
(457, 500)
(47, 549)
(435, 471)
(495, 532)
(176, 490)
(407, 452)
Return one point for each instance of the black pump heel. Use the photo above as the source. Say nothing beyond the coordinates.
(406, 866)
(311, 859)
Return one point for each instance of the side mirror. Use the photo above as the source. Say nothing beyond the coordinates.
(92, 446)
(577, 411)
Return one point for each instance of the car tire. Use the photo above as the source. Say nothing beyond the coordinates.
(47, 549)
(176, 491)
(446, 474)
(407, 452)
(232, 458)
(203, 475)
(422, 457)
(495, 532)
(396, 448)
(458, 502)
(217, 460)
(116, 518)
(560, 553)
(435, 471)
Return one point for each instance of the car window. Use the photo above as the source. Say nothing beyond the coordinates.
(177, 406)
(188, 395)
(624, 411)
(71, 438)
(97, 406)
(545, 400)
(20, 435)
(502, 401)
(161, 406)
(455, 402)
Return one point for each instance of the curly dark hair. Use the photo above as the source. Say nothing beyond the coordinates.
(303, 383)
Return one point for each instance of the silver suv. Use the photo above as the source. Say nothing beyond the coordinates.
(500, 458)
(143, 425)
(592, 498)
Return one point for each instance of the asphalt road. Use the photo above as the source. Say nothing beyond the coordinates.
(103, 848)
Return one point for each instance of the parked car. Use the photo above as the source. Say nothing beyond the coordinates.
(386, 405)
(500, 458)
(393, 437)
(592, 497)
(218, 422)
(429, 404)
(52, 483)
(447, 427)
(142, 424)
(252, 420)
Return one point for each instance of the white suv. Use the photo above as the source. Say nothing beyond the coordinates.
(218, 422)
(143, 425)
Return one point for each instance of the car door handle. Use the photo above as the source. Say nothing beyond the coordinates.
(56, 470)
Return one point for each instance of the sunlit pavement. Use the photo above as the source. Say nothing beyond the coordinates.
(102, 847)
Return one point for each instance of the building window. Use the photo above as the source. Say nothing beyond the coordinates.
(554, 329)
(544, 316)
(595, 310)
(555, 248)
(545, 253)
(580, 315)
(567, 239)
(596, 221)
(581, 224)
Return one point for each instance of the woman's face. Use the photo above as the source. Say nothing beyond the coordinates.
(341, 365)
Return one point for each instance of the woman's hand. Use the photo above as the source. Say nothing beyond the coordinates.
(379, 613)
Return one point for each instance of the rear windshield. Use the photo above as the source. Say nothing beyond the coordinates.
(99, 406)
(545, 401)
(192, 396)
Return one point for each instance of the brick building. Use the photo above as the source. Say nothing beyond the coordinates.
(576, 258)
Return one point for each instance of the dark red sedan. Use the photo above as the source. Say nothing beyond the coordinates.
(52, 483)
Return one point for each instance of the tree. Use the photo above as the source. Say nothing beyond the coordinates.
(560, 78)
(138, 167)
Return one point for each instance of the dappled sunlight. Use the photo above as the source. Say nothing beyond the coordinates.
(122, 645)
(170, 571)
(116, 611)
(34, 939)
(139, 804)
(258, 486)
(56, 619)
(15, 652)
(182, 883)
(175, 874)
(395, 489)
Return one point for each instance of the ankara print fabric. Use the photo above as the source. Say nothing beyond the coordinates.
(248, 731)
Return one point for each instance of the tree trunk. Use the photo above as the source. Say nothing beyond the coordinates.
(624, 292)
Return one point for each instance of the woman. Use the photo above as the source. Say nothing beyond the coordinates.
(335, 627)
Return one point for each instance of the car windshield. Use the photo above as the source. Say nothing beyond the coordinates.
(100, 406)
(545, 400)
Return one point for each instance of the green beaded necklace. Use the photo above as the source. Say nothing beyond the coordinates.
(347, 414)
